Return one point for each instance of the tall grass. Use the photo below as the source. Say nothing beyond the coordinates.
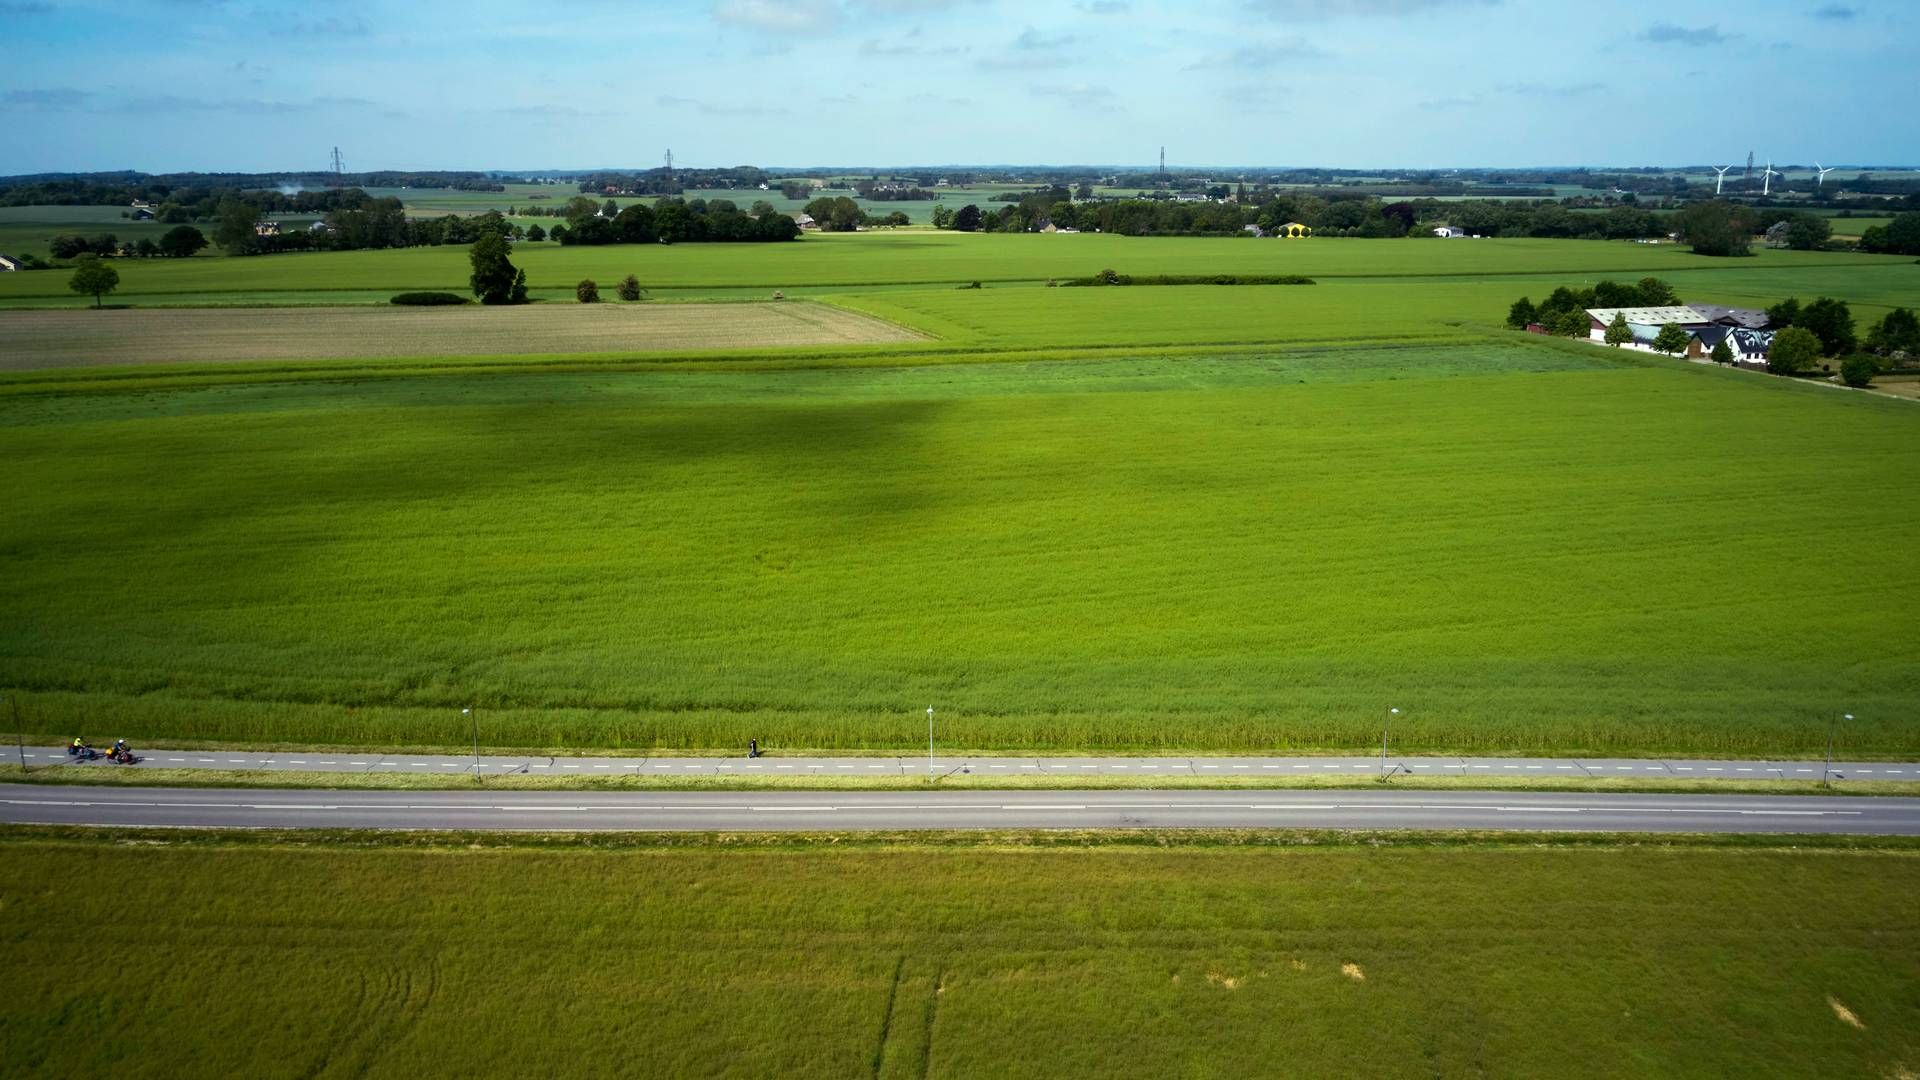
(1524, 549)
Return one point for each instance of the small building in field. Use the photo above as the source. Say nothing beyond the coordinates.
(805, 221)
(8, 264)
(1448, 232)
(141, 213)
(1777, 234)
(266, 228)
(1292, 230)
(1253, 230)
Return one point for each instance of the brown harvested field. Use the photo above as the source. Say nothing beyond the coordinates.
(89, 338)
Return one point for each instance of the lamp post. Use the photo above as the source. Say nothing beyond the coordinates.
(1828, 767)
(1391, 713)
(476, 742)
(929, 744)
(20, 733)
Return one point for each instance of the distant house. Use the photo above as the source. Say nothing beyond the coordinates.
(1292, 230)
(319, 227)
(805, 221)
(1190, 196)
(1777, 235)
(267, 228)
(1253, 230)
(141, 213)
(1448, 232)
(9, 263)
(141, 204)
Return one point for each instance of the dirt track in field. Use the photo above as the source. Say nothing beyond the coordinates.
(89, 338)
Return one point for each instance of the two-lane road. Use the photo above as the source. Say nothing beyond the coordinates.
(776, 811)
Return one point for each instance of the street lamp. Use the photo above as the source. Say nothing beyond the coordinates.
(20, 733)
(929, 744)
(1828, 767)
(1391, 713)
(476, 742)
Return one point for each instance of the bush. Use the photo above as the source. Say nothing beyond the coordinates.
(971, 285)
(587, 292)
(1859, 369)
(1794, 351)
(629, 288)
(427, 299)
(1108, 277)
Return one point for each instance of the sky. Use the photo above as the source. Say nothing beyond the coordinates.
(266, 85)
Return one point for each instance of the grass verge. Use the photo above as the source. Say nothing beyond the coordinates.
(1217, 956)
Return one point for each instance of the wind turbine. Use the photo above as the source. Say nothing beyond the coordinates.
(1719, 176)
(1822, 181)
(1766, 178)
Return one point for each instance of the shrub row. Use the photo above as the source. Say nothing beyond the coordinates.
(427, 299)
(1108, 277)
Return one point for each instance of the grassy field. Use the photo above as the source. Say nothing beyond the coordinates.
(891, 960)
(27, 230)
(865, 260)
(53, 339)
(1525, 548)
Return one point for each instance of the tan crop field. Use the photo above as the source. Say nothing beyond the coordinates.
(61, 339)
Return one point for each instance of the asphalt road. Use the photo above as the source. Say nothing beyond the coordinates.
(1208, 767)
(949, 810)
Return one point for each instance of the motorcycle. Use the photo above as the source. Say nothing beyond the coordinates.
(120, 755)
(83, 753)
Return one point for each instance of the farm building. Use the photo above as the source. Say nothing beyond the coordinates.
(1656, 317)
(141, 213)
(805, 221)
(8, 263)
(267, 228)
(1292, 230)
(1253, 230)
(1448, 232)
(1732, 316)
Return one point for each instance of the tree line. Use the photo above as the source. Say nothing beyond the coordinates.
(678, 221)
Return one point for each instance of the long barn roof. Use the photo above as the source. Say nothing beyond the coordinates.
(1648, 316)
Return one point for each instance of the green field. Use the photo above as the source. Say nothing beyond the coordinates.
(27, 230)
(891, 960)
(1524, 547)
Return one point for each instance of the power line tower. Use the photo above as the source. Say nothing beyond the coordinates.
(339, 166)
(669, 166)
(1746, 178)
(1163, 163)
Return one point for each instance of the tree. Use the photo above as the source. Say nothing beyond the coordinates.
(1831, 322)
(1897, 333)
(1783, 314)
(235, 232)
(536, 233)
(1722, 354)
(578, 209)
(1859, 369)
(1618, 333)
(609, 209)
(1901, 236)
(943, 217)
(587, 292)
(1671, 339)
(1716, 227)
(967, 219)
(181, 241)
(519, 293)
(94, 278)
(1795, 350)
(146, 248)
(1573, 323)
(629, 288)
(1656, 293)
(493, 276)
(1520, 314)
(1807, 232)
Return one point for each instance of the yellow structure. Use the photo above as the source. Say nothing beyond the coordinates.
(1292, 229)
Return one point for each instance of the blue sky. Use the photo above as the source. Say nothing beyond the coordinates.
(264, 85)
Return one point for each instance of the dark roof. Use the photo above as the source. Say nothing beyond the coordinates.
(1732, 316)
